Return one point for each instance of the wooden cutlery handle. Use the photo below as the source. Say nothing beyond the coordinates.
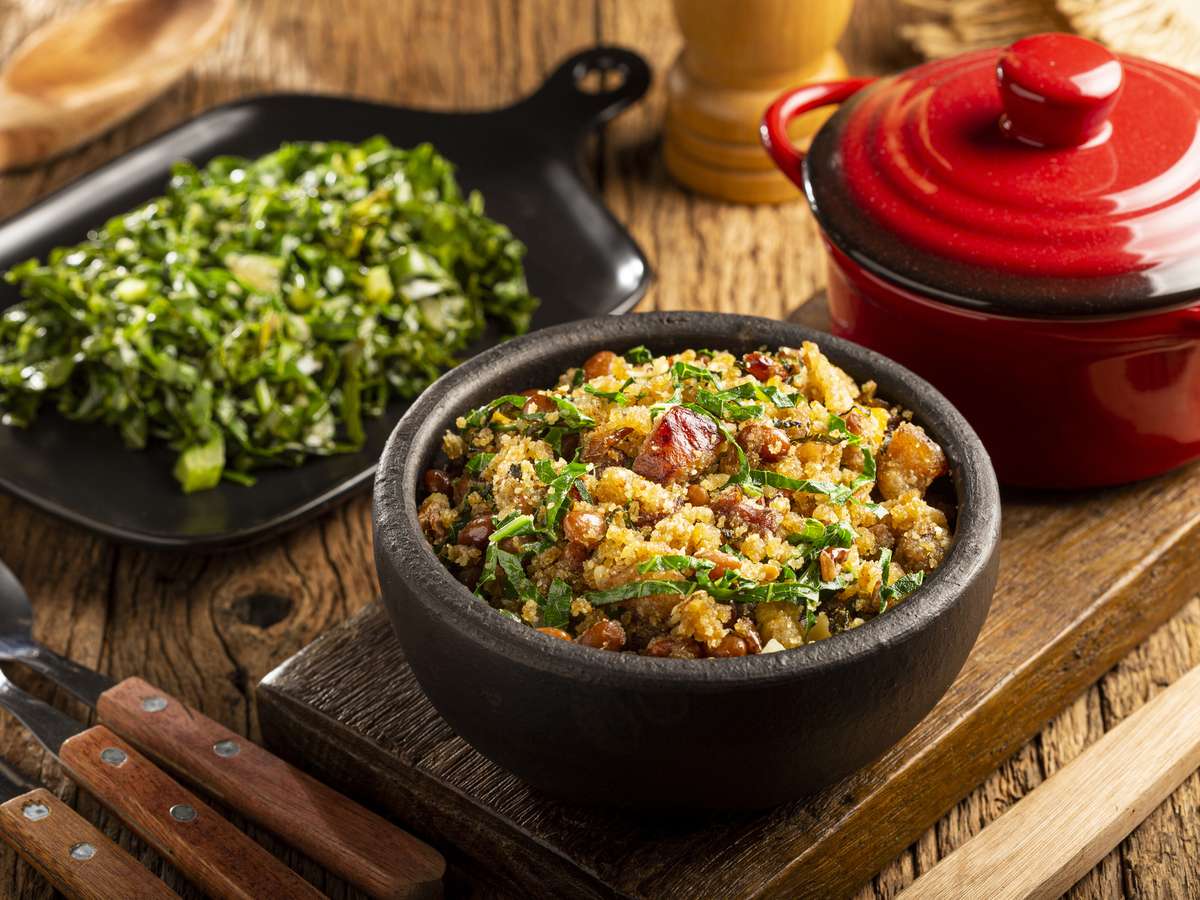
(74, 855)
(1056, 833)
(353, 843)
(221, 860)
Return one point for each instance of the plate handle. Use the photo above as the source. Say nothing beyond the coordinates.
(565, 101)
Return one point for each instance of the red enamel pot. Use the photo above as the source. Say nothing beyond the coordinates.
(1022, 228)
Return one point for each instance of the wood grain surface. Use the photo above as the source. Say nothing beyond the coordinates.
(205, 628)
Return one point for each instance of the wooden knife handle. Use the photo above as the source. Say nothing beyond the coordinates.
(218, 858)
(364, 849)
(74, 855)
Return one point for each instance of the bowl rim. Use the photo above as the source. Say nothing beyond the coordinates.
(400, 544)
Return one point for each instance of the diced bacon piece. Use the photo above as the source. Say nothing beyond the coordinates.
(601, 449)
(754, 514)
(768, 442)
(682, 444)
(762, 366)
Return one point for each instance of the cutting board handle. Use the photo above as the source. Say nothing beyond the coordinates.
(564, 101)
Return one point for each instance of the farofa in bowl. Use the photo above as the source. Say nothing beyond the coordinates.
(691, 505)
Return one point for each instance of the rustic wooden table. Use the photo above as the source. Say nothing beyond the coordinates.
(208, 627)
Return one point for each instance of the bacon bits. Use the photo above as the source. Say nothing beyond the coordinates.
(601, 449)
(682, 444)
(762, 366)
(754, 514)
(768, 442)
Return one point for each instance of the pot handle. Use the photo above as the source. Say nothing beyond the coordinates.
(794, 103)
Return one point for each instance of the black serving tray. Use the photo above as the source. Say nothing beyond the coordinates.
(524, 158)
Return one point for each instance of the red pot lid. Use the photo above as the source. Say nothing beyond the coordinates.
(1051, 178)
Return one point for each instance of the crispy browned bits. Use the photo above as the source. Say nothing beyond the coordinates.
(910, 462)
(682, 443)
(574, 556)
(437, 482)
(556, 633)
(768, 442)
(476, 532)
(602, 449)
(607, 634)
(599, 364)
(582, 526)
(762, 366)
(754, 514)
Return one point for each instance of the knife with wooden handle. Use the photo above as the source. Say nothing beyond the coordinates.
(75, 856)
(352, 842)
(217, 857)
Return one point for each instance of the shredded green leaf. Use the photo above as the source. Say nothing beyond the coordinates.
(265, 308)
(555, 610)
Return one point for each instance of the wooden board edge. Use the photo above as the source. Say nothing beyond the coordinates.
(850, 854)
(300, 733)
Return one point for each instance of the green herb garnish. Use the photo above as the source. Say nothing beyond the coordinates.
(555, 610)
(639, 355)
(618, 396)
(479, 462)
(904, 585)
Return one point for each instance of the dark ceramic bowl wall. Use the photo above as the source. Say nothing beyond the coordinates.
(664, 734)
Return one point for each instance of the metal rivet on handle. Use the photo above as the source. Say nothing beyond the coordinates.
(83, 850)
(35, 811)
(154, 704)
(226, 748)
(182, 812)
(114, 756)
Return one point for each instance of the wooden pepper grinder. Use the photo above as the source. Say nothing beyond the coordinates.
(738, 55)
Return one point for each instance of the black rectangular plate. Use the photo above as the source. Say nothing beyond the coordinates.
(525, 161)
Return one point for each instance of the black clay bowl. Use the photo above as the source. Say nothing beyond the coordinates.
(627, 730)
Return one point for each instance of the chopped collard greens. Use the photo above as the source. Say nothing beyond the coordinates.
(261, 310)
(694, 505)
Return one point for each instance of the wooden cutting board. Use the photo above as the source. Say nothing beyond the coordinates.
(1083, 579)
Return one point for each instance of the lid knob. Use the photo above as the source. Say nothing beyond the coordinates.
(1058, 89)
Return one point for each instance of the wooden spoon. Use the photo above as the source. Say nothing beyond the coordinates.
(81, 74)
